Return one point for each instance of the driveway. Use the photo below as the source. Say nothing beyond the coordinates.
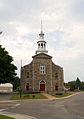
(71, 108)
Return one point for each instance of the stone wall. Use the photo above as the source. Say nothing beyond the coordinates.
(25, 78)
(58, 78)
(39, 77)
(31, 74)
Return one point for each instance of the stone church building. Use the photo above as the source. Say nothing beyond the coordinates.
(42, 75)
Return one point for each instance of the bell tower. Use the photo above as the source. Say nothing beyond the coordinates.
(41, 43)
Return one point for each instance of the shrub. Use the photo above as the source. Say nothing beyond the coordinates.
(33, 96)
(59, 93)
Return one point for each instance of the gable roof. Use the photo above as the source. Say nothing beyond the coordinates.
(42, 55)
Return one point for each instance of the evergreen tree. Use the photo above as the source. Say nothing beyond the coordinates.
(78, 83)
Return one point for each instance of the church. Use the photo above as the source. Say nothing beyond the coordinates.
(42, 75)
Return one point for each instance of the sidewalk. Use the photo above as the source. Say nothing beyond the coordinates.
(17, 116)
(50, 97)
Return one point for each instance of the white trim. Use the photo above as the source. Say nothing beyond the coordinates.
(42, 80)
(42, 69)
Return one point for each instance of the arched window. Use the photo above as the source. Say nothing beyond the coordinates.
(42, 45)
(27, 74)
(31, 73)
(38, 44)
(27, 87)
(56, 86)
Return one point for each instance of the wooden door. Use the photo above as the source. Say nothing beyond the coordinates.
(42, 87)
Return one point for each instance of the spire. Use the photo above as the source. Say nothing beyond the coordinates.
(41, 43)
(41, 26)
(41, 35)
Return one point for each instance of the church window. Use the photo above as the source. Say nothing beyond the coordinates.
(42, 69)
(42, 45)
(27, 74)
(31, 73)
(27, 87)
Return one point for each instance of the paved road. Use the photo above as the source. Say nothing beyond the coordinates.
(5, 103)
(5, 96)
(71, 108)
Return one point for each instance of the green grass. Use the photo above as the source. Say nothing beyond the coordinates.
(28, 96)
(60, 95)
(5, 117)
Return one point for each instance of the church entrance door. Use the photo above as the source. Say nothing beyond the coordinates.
(42, 86)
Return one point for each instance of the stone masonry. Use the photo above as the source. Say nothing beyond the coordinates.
(30, 74)
(42, 75)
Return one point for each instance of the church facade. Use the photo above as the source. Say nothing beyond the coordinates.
(42, 75)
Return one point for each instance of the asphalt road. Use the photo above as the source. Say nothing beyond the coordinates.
(5, 101)
(71, 108)
(5, 96)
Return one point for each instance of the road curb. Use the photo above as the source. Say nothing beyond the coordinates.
(17, 116)
(69, 96)
(42, 99)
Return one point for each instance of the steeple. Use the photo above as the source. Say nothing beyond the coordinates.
(41, 26)
(41, 43)
(41, 34)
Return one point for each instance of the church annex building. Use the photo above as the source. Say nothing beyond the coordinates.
(42, 75)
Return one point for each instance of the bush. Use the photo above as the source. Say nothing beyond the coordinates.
(59, 93)
(31, 92)
(33, 96)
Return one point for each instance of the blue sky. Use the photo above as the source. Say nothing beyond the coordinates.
(63, 25)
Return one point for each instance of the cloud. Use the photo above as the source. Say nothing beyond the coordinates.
(63, 23)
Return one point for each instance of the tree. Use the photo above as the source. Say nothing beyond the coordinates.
(75, 85)
(78, 83)
(72, 85)
(7, 68)
(16, 83)
(82, 86)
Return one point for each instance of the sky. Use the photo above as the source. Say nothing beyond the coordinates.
(63, 26)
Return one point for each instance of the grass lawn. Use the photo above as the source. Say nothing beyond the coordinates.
(28, 96)
(5, 117)
(60, 95)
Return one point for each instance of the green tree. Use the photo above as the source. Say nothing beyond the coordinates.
(16, 83)
(72, 85)
(78, 83)
(7, 68)
(82, 86)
